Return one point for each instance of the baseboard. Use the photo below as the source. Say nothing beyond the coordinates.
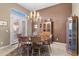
(4, 46)
(7, 46)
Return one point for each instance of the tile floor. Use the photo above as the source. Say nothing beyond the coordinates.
(7, 50)
(57, 49)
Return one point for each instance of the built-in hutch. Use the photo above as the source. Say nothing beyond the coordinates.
(46, 26)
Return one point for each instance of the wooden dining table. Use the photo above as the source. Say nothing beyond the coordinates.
(30, 40)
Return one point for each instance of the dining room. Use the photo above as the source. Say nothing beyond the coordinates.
(34, 29)
(36, 43)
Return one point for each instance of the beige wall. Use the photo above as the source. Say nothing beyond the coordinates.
(5, 15)
(75, 10)
(59, 13)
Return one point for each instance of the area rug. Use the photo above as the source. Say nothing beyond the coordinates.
(44, 52)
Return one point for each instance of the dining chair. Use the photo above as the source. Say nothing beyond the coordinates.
(36, 45)
(23, 48)
(19, 49)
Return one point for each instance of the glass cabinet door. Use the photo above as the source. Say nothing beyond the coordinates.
(44, 27)
(74, 27)
(48, 27)
(75, 36)
(78, 37)
(70, 34)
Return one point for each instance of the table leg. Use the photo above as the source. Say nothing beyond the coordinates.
(32, 51)
(28, 51)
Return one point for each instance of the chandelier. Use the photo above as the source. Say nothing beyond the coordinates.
(34, 16)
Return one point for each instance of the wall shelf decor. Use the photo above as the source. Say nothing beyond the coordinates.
(3, 23)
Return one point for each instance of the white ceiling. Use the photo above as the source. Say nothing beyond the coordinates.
(36, 6)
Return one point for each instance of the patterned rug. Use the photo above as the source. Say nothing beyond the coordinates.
(44, 52)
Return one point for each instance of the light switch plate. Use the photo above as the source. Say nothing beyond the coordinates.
(4, 23)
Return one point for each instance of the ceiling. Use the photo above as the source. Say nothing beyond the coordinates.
(36, 6)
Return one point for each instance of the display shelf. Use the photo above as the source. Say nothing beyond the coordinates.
(72, 34)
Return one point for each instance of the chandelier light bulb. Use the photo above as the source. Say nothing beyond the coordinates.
(31, 14)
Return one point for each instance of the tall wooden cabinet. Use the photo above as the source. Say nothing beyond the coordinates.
(47, 26)
(72, 35)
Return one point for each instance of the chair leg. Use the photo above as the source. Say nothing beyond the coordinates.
(39, 52)
(20, 51)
